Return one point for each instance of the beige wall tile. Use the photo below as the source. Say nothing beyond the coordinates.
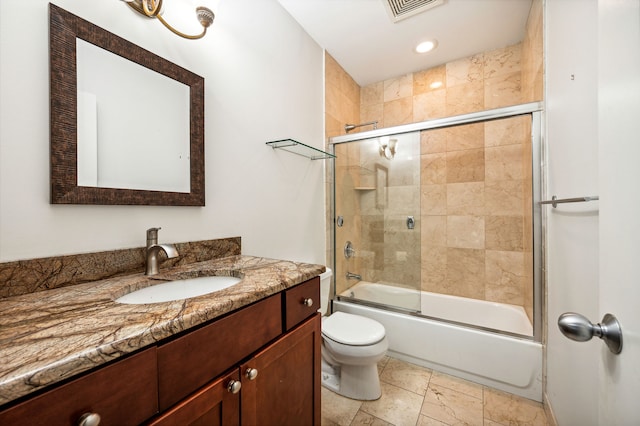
(369, 113)
(429, 80)
(465, 98)
(504, 275)
(465, 198)
(465, 232)
(434, 200)
(398, 112)
(468, 136)
(432, 141)
(465, 166)
(503, 90)
(434, 268)
(466, 70)
(430, 105)
(433, 168)
(465, 272)
(372, 94)
(398, 88)
(507, 131)
(434, 231)
(504, 233)
(502, 61)
(503, 198)
(503, 163)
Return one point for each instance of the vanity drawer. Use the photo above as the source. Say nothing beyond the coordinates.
(191, 361)
(301, 302)
(123, 393)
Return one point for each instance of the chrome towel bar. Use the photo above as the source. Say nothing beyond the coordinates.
(554, 201)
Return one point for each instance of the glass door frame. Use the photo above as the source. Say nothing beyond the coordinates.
(535, 109)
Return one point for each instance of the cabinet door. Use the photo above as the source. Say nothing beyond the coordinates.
(123, 393)
(286, 390)
(212, 405)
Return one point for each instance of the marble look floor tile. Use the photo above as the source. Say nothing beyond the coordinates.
(507, 409)
(363, 418)
(396, 406)
(452, 407)
(457, 384)
(428, 421)
(406, 376)
(338, 410)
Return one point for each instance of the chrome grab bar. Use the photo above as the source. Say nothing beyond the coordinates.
(554, 201)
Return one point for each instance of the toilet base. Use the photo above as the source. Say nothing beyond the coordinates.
(360, 382)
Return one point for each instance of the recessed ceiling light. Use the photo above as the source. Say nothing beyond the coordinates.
(426, 46)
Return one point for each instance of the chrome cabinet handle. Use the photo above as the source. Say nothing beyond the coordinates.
(308, 302)
(579, 328)
(251, 373)
(89, 419)
(234, 386)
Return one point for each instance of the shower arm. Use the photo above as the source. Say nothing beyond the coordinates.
(350, 127)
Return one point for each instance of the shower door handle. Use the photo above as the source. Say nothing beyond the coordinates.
(579, 328)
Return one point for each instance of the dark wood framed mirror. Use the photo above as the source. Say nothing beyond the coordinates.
(66, 30)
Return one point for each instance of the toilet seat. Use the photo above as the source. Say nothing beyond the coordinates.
(353, 330)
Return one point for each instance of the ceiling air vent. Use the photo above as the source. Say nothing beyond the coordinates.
(403, 9)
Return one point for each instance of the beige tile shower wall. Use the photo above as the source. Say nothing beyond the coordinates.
(342, 106)
(483, 81)
(474, 226)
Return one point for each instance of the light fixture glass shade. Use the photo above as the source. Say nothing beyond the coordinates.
(387, 147)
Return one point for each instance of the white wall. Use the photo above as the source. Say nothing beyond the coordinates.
(572, 232)
(263, 77)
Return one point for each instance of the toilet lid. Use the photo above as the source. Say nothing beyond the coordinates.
(350, 329)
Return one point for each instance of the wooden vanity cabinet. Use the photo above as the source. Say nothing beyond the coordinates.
(185, 380)
(286, 390)
(213, 405)
(280, 383)
(122, 393)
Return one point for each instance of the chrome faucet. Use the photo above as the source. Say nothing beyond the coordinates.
(351, 275)
(153, 248)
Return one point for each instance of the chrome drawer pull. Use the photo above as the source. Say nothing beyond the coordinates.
(251, 373)
(234, 386)
(308, 302)
(89, 419)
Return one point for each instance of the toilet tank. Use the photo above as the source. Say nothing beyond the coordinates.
(325, 290)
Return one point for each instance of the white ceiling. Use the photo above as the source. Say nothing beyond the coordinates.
(361, 36)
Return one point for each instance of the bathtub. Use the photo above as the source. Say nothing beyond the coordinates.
(507, 362)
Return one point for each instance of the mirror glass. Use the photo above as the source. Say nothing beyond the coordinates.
(143, 144)
(127, 126)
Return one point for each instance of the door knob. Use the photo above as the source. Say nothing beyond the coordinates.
(577, 327)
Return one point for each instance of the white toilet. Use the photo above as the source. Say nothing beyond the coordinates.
(352, 345)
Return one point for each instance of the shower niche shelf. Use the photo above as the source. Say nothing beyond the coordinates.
(299, 148)
(365, 188)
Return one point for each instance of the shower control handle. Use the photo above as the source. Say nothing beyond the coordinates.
(349, 251)
(411, 222)
(577, 327)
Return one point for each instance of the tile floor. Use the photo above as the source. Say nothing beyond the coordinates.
(417, 396)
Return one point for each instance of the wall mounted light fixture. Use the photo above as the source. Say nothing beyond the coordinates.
(153, 9)
(387, 147)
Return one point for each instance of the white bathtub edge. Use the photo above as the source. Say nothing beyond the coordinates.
(509, 364)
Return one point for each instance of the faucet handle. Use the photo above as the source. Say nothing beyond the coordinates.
(152, 236)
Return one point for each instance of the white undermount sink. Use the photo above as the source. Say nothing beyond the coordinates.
(177, 290)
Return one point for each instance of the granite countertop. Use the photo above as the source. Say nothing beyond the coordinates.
(52, 335)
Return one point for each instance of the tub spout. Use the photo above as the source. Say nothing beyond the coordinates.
(351, 275)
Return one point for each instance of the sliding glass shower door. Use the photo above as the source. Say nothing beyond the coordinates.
(377, 215)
